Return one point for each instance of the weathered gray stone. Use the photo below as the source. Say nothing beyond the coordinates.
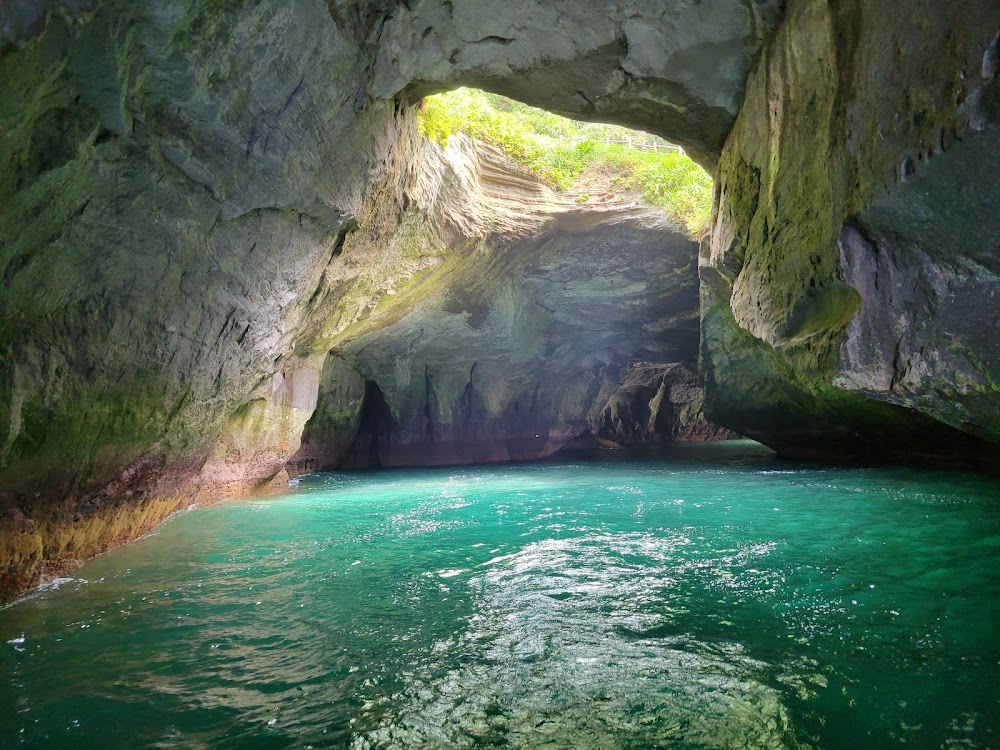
(177, 186)
(657, 402)
(852, 269)
(925, 260)
(531, 307)
(671, 67)
(192, 196)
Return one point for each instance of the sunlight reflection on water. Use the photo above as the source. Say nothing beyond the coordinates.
(619, 604)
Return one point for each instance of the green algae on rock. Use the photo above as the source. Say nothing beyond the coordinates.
(852, 269)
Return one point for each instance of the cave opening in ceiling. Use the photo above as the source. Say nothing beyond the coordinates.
(537, 288)
(576, 156)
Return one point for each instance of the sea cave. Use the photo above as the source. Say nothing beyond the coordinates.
(541, 374)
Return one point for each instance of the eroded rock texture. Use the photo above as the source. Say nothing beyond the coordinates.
(193, 198)
(657, 402)
(174, 186)
(178, 182)
(518, 333)
(676, 67)
(851, 295)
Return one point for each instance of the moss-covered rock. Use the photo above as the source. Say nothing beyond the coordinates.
(855, 225)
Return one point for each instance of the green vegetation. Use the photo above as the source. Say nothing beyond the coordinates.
(565, 152)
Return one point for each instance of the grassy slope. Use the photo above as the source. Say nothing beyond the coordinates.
(531, 137)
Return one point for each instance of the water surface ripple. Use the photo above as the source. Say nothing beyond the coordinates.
(716, 599)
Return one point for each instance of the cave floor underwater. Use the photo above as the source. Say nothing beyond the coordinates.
(709, 597)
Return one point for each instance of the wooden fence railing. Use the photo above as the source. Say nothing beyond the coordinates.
(654, 146)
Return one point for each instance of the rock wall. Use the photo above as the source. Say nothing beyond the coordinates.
(655, 403)
(850, 296)
(673, 67)
(178, 182)
(525, 319)
(174, 188)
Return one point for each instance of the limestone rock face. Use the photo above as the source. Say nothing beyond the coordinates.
(657, 402)
(179, 186)
(850, 295)
(519, 332)
(673, 66)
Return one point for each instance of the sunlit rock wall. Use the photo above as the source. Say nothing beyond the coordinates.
(174, 187)
(516, 336)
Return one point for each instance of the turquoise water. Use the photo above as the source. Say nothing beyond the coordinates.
(713, 600)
